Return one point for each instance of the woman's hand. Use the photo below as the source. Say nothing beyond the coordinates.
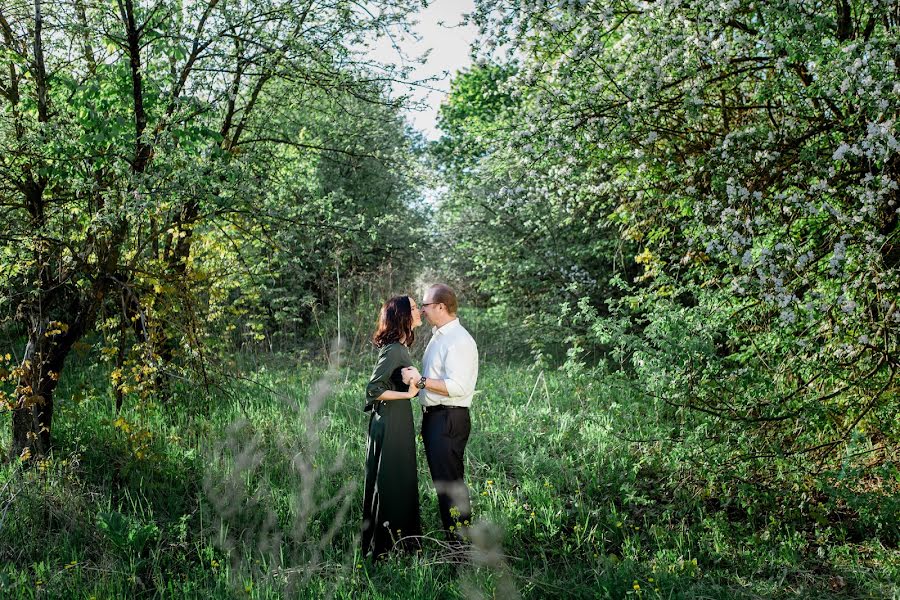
(413, 390)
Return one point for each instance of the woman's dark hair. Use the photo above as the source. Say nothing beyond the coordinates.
(395, 323)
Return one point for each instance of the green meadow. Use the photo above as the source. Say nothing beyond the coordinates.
(254, 490)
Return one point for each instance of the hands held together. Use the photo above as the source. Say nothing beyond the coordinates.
(411, 376)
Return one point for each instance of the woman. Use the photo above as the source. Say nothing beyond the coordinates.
(391, 501)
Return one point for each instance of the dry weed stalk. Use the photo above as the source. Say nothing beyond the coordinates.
(247, 527)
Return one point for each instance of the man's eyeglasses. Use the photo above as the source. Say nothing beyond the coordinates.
(421, 306)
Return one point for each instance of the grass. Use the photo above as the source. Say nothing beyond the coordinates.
(255, 490)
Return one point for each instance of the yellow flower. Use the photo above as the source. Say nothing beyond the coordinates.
(644, 257)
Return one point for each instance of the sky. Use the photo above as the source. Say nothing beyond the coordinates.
(449, 44)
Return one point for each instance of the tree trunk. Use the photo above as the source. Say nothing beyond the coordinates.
(32, 416)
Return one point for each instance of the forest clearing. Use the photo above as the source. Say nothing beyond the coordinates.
(669, 229)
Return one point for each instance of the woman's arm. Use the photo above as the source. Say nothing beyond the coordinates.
(380, 387)
(392, 395)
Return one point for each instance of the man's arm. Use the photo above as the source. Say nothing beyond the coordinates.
(412, 375)
(438, 386)
(461, 367)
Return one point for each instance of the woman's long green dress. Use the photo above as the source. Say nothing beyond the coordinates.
(391, 499)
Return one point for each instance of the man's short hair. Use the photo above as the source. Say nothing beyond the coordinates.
(446, 296)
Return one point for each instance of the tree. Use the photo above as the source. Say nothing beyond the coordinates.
(124, 129)
(749, 151)
(519, 208)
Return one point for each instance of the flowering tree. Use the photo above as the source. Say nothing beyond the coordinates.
(516, 211)
(748, 150)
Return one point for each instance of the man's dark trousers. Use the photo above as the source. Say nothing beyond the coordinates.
(445, 431)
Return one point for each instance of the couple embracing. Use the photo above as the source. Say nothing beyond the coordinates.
(444, 389)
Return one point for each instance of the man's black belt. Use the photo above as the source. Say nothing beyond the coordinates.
(438, 407)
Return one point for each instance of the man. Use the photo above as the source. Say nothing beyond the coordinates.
(447, 381)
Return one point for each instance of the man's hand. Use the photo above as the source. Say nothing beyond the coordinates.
(410, 375)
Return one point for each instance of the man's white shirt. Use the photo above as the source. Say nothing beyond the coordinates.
(451, 355)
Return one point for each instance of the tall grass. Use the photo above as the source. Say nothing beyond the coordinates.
(578, 486)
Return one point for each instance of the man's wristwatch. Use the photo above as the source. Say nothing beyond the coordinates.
(421, 383)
